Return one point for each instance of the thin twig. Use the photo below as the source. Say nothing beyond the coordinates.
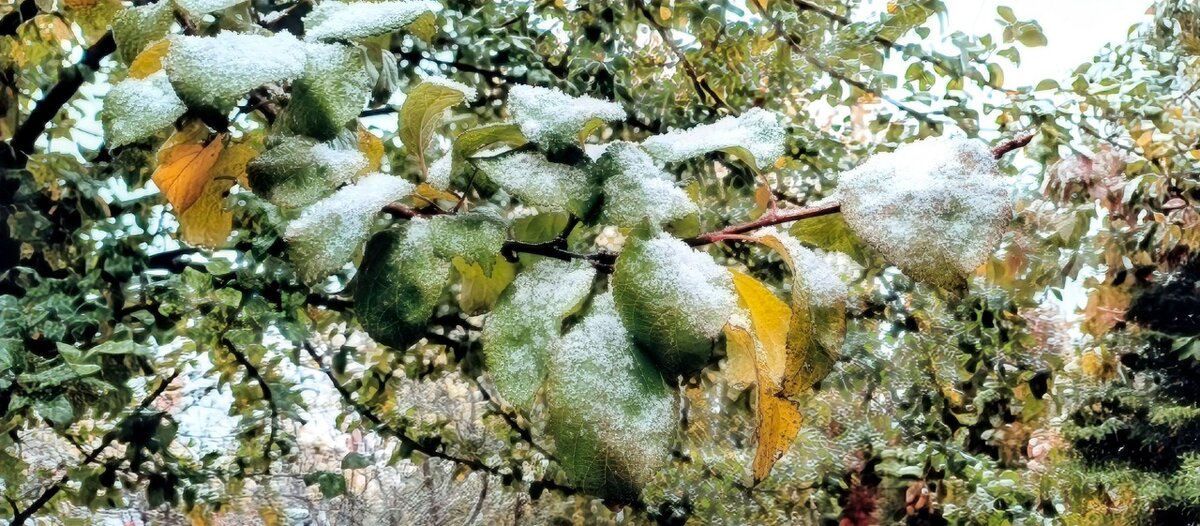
(257, 376)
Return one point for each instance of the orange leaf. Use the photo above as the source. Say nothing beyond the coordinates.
(372, 148)
(149, 61)
(184, 165)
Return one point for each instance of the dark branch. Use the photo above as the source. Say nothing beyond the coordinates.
(10, 22)
(698, 83)
(253, 372)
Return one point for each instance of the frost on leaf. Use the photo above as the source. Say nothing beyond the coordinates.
(476, 237)
(331, 92)
(818, 323)
(540, 183)
(610, 412)
(526, 322)
(326, 235)
(296, 171)
(203, 7)
(135, 28)
(214, 72)
(636, 189)
(138, 108)
(554, 119)
(935, 208)
(673, 299)
(333, 20)
(756, 137)
(399, 283)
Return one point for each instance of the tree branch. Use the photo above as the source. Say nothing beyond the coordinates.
(698, 83)
(257, 376)
(49, 493)
(11, 21)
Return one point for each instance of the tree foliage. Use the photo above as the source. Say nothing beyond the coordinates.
(692, 260)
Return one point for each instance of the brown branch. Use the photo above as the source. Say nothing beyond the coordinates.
(49, 493)
(772, 217)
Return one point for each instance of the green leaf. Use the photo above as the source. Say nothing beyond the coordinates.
(297, 171)
(338, 20)
(540, 183)
(479, 290)
(553, 119)
(756, 137)
(399, 284)
(331, 484)
(213, 73)
(423, 109)
(476, 237)
(469, 143)
(830, 232)
(331, 92)
(57, 411)
(673, 299)
(1047, 84)
(527, 320)
(355, 461)
(611, 414)
(136, 109)
(1006, 13)
(135, 28)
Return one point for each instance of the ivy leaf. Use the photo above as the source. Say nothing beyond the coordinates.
(331, 484)
(611, 414)
(136, 27)
(328, 233)
(756, 137)
(527, 320)
(136, 109)
(764, 333)
(817, 326)
(334, 20)
(479, 290)
(399, 284)
(935, 208)
(184, 164)
(422, 112)
(332, 91)
(554, 119)
(296, 171)
(355, 460)
(674, 301)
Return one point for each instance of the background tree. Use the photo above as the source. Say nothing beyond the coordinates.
(603, 258)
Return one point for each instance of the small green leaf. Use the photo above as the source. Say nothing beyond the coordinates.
(57, 411)
(355, 461)
(477, 237)
(399, 283)
(1006, 13)
(756, 137)
(478, 290)
(297, 171)
(331, 484)
(540, 183)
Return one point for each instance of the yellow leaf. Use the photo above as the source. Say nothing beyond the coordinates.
(1144, 140)
(479, 291)
(664, 13)
(233, 160)
(739, 353)
(778, 419)
(207, 223)
(270, 516)
(149, 61)
(818, 323)
(184, 165)
(372, 148)
(426, 193)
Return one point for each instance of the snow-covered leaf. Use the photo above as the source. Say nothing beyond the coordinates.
(139, 108)
(399, 284)
(611, 414)
(327, 234)
(331, 92)
(935, 208)
(296, 171)
(476, 237)
(635, 189)
(203, 7)
(818, 322)
(554, 119)
(673, 299)
(756, 137)
(184, 163)
(137, 27)
(527, 320)
(423, 109)
(540, 183)
(334, 20)
(214, 72)
(446, 171)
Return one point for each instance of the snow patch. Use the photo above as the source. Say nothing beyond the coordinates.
(552, 118)
(137, 108)
(758, 131)
(332, 20)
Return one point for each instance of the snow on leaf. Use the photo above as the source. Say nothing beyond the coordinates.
(636, 189)
(296, 171)
(137, 27)
(399, 284)
(327, 234)
(935, 208)
(184, 163)
(818, 322)
(611, 414)
(214, 72)
(527, 320)
(764, 332)
(756, 137)
(673, 299)
(540, 183)
(333, 20)
(204, 7)
(423, 109)
(139, 108)
(332, 91)
(554, 119)
(477, 237)
(467, 144)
